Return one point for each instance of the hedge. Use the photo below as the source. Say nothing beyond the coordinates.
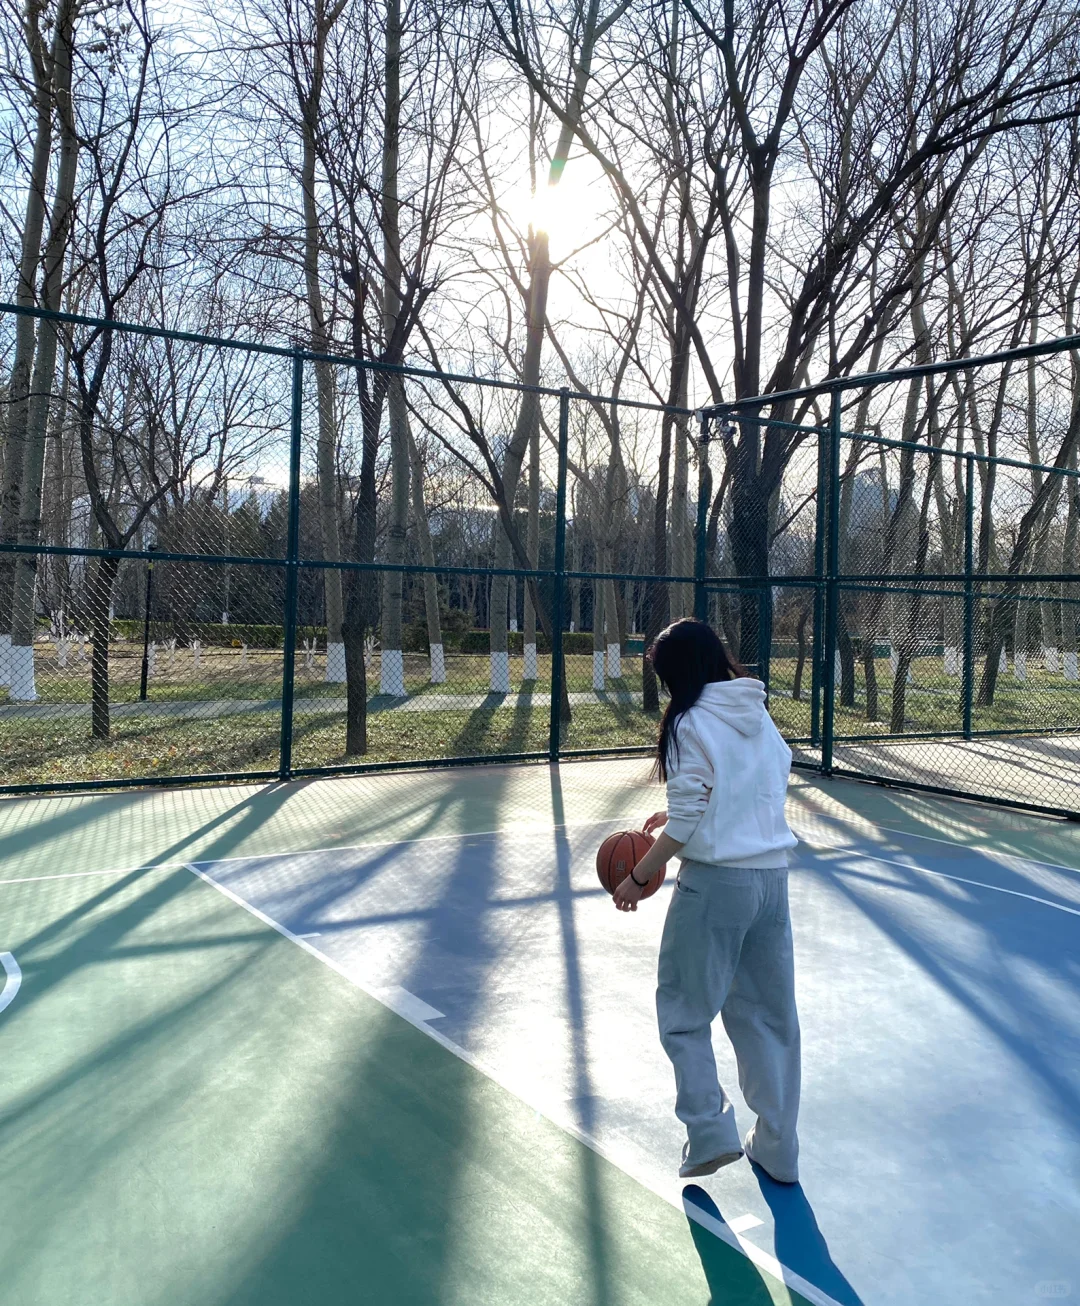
(212, 634)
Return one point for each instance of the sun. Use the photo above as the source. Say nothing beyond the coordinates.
(569, 212)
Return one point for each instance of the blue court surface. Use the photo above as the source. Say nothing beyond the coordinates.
(939, 992)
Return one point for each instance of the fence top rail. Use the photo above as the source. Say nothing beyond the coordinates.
(886, 442)
(344, 360)
(994, 460)
(866, 380)
(807, 427)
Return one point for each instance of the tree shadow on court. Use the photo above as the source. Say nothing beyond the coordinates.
(584, 1097)
(837, 803)
(71, 814)
(106, 929)
(360, 1160)
(434, 1184)
(417, 1147)
(988, 990)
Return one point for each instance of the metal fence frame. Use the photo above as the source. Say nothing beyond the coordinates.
(827, 580)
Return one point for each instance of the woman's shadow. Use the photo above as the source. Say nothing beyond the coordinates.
(799, 1247)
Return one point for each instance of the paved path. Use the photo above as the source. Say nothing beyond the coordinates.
(207, 709)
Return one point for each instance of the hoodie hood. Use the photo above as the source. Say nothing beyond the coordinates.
(738, 703)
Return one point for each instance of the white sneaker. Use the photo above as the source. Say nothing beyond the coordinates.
(754, 1161)
(695, 1170)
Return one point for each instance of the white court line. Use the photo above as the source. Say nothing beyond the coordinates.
(857, 855)
(14, 979)
(743, 1222)
(542, 1104)
(80, 875)
(731, 1235)
(427, 838)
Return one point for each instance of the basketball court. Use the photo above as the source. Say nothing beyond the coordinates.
(385, 1039)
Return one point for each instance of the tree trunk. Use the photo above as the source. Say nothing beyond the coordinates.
(682, 535)
(1070, 558)
(656, 601)
(101, 593)
(328, 521)
(800, 660)
(532, 544)
(310, 107)
(391, 665)
(427, 557)
(26, 294)
(361, 601)
(598, 619)
(391, 671)
(870, 675)
(528, 419)
(23, 686)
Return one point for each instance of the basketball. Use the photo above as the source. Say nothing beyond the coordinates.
(619, 854)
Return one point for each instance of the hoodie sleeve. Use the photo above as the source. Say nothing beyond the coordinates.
(689, 784)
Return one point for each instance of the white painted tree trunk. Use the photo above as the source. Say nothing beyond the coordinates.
(531, 671)
(614, 660)
(392, 673)
(952, 662)
(335, 663)
(500, 672)
(1020, 666)
(1050, 660)
(23, 687)
(1003, 663)
(598, 669)
(1069, 663)
(438, 665)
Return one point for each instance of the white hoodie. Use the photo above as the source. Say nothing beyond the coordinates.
(727, 779)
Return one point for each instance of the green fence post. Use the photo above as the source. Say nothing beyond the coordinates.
(292, 567)
(832, 595)
(144, 674)
(701, 598)
(559, 581)
(818, 632)
(765, 629)
(969, 591)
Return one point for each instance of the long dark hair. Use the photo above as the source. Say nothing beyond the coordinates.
(686, 657)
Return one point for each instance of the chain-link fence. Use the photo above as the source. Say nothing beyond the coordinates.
(248, 562)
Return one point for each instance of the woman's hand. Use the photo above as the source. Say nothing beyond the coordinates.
(627, 894)
(655, 822)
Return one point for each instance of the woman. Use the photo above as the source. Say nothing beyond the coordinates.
(726, 946)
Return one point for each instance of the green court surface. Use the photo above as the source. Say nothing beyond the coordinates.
(195, 1109)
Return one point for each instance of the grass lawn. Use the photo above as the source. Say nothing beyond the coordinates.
(42, 750)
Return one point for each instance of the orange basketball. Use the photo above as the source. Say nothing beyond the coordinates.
(619, 854)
